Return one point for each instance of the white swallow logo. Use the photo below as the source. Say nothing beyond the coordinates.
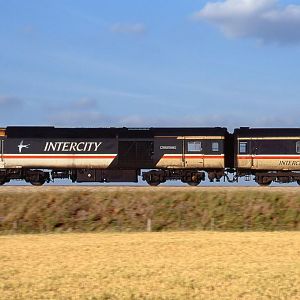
(21, 146)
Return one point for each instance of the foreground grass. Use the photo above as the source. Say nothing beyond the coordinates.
(182, 265)
(64, 209)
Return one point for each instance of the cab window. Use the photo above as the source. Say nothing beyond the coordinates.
(215, 146)
(243, 147)
(194, 146)
(298, 147)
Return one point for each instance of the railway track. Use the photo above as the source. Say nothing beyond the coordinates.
(114, 188)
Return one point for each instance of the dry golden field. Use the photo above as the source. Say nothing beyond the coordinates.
(181, 265)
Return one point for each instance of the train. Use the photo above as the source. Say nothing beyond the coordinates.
(37, 154)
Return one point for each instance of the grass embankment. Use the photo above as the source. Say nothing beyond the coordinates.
(153, 266)
(26, 210)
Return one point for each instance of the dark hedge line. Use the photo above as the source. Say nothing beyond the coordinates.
(85, 211)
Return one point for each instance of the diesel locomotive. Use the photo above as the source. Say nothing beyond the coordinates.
(43, 154)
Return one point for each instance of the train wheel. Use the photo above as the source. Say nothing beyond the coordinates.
(264, 183)
(38, 183)
(192, 183)
(153, 183)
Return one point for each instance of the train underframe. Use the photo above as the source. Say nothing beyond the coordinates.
(38, 177)
(266, 177)
(192, 177)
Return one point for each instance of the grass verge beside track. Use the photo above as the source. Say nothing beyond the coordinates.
(85, 209)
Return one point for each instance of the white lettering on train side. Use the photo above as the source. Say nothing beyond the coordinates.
(167, 147)
(72, 146)
(79, 144)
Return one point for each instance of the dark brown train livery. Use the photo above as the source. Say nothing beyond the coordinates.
(42, 154)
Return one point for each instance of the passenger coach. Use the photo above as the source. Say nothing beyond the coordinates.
(271, 154)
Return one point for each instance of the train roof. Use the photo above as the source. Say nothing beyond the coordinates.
(110, 132)
(267, 132)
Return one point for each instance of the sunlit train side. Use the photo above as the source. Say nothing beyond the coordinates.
(270, 154)
(42, 154)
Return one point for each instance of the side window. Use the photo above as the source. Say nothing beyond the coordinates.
(298, 147)
(194, 146)
(215, 146)
(243, 147)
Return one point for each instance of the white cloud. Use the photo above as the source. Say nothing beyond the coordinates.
(129, 28)
(264, 20)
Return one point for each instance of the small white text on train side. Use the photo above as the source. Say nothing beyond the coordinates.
(167, 147)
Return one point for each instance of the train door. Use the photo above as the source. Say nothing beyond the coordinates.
(254, 153)
(257, 149)
(245, 159)
(1, 153)
(135, 154)
(193, 153)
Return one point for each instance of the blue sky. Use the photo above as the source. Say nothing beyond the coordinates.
(150, 63)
